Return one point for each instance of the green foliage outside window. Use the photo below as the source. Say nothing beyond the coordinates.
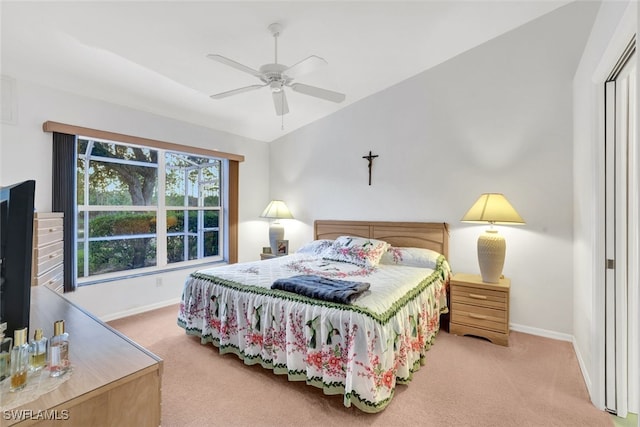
(126, 254)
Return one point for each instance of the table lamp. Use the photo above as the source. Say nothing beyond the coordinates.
(492, 208)
(277, 210)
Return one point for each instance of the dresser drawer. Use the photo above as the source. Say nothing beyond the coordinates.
(42, 223)
(479, 296)
(56, 284)
(46, 251)
(46, 224)
(480, 317)
(47, 264)
(50, 276)
(44, 236)
(47, 257)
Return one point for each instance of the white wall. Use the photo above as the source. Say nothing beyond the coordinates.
(26, 154)
(494, 119)
(615, 24)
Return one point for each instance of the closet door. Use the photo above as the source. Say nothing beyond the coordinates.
(621, 198)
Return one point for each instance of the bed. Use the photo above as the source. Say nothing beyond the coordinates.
(361, 349)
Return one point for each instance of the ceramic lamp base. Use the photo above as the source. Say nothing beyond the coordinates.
(491, 251)
(276, 232)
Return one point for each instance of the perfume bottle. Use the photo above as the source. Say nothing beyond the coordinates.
(5, 352)
(19, 360)
(37, 351)
(59, 350)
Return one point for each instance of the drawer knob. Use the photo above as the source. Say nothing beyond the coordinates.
(477, 316)
(476, 296)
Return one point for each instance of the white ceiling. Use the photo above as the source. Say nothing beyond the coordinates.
(150, 55)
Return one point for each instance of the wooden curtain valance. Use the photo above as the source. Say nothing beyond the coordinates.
(112, 136)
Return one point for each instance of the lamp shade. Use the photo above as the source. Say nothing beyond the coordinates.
(276, 209)
(493, 208)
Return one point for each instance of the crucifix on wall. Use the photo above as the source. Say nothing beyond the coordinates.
(370, 158)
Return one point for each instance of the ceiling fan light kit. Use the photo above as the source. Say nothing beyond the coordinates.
(278, 76)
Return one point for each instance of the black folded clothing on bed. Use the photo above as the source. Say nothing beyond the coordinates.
(340, 291)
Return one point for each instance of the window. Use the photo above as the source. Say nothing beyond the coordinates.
(146, 208)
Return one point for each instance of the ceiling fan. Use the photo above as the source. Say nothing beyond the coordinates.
(278, 76)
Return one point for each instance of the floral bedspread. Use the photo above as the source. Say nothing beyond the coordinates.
(360, 350)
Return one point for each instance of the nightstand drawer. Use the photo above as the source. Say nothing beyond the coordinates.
(478, 296)
(481, 317)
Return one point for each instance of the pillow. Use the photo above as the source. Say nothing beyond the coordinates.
(411, 257)
(356, 250)
(316, 247)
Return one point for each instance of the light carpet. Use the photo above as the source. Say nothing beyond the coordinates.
(466, 382)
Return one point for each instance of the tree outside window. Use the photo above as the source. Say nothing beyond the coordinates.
(140, 207)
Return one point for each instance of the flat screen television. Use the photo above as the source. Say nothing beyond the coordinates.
(16, 248)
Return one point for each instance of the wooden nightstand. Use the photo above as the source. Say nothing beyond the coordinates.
(266, 256)
(479, 308)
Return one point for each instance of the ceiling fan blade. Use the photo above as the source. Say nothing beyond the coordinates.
(280, 102)
(329, 95)
(305, 66)
(234, 64)
(236, 91)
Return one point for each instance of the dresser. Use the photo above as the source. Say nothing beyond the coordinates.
(113, 382)
(47, 268)
(480, 309)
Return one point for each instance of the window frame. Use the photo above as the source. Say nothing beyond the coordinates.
(160, 209)
(231, 175)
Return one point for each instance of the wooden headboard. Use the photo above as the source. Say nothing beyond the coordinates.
(430, 235)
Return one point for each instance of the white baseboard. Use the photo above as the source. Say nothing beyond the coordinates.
(541, 332)
(138, 310)
(585, 372)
